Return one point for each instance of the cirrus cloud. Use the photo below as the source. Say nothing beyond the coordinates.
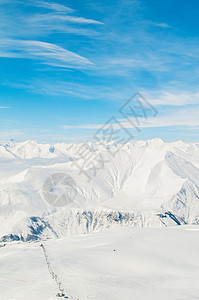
(46, 53)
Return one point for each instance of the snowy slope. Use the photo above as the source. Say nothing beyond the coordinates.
(122, 263)
(146, 183)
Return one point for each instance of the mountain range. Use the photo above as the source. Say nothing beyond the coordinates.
(55, 190)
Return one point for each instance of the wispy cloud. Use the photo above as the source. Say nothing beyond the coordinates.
(180, 117)
(45, 53)
(4, 107)
(177, 98)
(60, 19)
(16, 30)
(43, 19)
(53, 6)
(64, 88)
(11, 134)
(147, 61)
(162, 25)
(137, 48)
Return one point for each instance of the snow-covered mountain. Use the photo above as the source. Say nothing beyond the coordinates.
(143, 183)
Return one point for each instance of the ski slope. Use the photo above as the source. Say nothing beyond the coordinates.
(119, 263)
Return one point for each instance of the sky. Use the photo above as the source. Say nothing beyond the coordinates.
(68, 67)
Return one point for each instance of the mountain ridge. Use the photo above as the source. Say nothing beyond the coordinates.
(152, 178)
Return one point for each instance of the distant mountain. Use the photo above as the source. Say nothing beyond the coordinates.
(143, 183)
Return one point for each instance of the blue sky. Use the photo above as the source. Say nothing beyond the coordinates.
(68, 66)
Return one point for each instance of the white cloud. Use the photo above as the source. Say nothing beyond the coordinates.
(11, 134)
(86, 126)
(47, 53)
(51, 18)
(16, 30)
(144, 59)
(172, 98)
(53, 6)
(181, 117)
(19, 25)
(4, 107)
(62, 88)
(79, 20)
(163, 25)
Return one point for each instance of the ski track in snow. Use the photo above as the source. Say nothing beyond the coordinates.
(54, 275)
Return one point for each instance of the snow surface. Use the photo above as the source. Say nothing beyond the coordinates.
(119, 263)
